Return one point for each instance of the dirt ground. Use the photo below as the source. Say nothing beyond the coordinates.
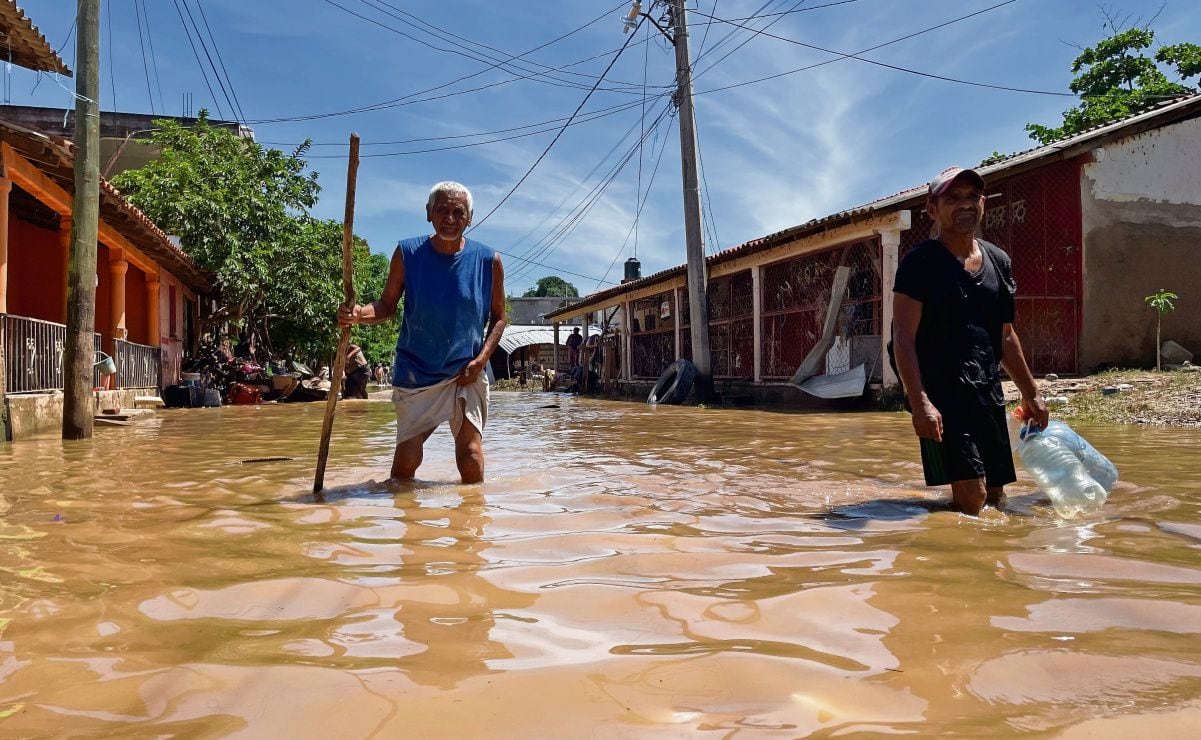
(1170, 398)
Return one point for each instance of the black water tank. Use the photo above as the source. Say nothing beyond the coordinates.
(633, 270)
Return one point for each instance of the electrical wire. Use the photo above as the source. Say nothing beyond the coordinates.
(205, 20)
(137, 12)
(445, 35)
(408, 99)
(588, 118)
(558, 135)
(473, 55)
(200, 64)
(112, 68)
(158, 83)
(638, 215)
(229, 99)
(858, 56)
(569, 223)
(756, 33)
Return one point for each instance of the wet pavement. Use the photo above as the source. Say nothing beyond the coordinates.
(625, 571)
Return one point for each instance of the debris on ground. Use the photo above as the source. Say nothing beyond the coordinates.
(1168, 398)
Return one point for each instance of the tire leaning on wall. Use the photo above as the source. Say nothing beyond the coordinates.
(674, 384)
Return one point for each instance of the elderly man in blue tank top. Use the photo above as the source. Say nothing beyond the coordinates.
(453, 287)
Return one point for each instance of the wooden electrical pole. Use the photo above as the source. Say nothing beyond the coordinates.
(79, 353)
(698, 301)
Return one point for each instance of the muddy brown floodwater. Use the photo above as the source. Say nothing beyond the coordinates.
(625, 571)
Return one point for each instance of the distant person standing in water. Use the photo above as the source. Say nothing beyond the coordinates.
(453, 287)
(952, 332)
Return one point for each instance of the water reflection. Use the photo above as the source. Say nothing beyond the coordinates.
(625, 571)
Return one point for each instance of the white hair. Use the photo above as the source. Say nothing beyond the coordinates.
(449, 187)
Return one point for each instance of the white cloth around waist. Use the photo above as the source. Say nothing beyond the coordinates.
(421, 410)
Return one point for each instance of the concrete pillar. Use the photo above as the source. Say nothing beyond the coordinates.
(153, 329)
(890, 248)
(117, 267)
(6, 187)
(675, 318)
(757, 317)
(64, 245)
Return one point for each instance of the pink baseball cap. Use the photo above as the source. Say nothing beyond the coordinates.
(939, 184)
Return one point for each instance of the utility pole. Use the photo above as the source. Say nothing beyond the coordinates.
(79, 354)
(698, 274)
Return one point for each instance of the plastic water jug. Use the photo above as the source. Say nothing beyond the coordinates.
(1074, 475)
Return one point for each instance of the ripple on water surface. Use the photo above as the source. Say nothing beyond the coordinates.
(625, 570)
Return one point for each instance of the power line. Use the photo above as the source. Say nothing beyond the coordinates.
(568, 224)
(204, 18)
(442, 34)
(638, 215)
(158, 83)
(235, 109)
(112, 69)
(473, 55)
(137, 12)
(556, 139)
(408, 99)
(590, 117)
(752, 37)
(200, 64)
(857, 56)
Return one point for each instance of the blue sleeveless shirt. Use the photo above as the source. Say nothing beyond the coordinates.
(447, 303)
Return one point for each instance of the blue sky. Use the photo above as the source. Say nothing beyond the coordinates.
(775, 153)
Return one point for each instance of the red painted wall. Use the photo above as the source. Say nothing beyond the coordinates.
(35, 272)
(135, 305)
(103, 302)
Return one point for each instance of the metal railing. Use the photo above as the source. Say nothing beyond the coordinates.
(33, 354)
(138, 365)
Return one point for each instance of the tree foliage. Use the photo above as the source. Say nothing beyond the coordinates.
(377, 340)
(1117, 78)
(241, 211)
(552, 285)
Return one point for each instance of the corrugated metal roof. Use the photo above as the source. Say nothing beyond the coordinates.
(24, 44)
(1181, 107)
(517, 336)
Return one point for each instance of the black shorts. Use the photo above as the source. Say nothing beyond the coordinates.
(975, 444)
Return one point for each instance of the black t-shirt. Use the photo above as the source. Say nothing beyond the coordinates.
(959, 336)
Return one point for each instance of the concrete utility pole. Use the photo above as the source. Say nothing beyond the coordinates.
(78, 354)
(698, 275)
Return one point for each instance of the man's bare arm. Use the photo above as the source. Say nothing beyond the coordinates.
(383, 309)
(906, 316)
(1014, 362)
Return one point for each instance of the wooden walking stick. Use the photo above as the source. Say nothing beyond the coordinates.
(335, 378)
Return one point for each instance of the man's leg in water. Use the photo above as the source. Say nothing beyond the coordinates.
(408, 456)
(469, 453)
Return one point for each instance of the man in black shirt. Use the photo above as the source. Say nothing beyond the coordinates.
(952, 332)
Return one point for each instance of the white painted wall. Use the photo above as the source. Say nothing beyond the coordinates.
(1162, 165)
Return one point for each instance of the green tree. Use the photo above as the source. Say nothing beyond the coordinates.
(1161, 301)
(552, 285)
(242, 213)
(239, 210)
(1116, 78)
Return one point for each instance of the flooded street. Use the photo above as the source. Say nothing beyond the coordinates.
(625, 571)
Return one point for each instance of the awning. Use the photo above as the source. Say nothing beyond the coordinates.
(517, 336)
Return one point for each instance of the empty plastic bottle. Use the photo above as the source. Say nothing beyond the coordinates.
(1098, 466)
(1067, 468)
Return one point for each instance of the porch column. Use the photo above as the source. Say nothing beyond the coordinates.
(890, 248)
(627, 359)
(675, 319)
(555, 351)
(117, 267)
(153, 330)
(64, 245)
(757, 317)
(6, 187)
